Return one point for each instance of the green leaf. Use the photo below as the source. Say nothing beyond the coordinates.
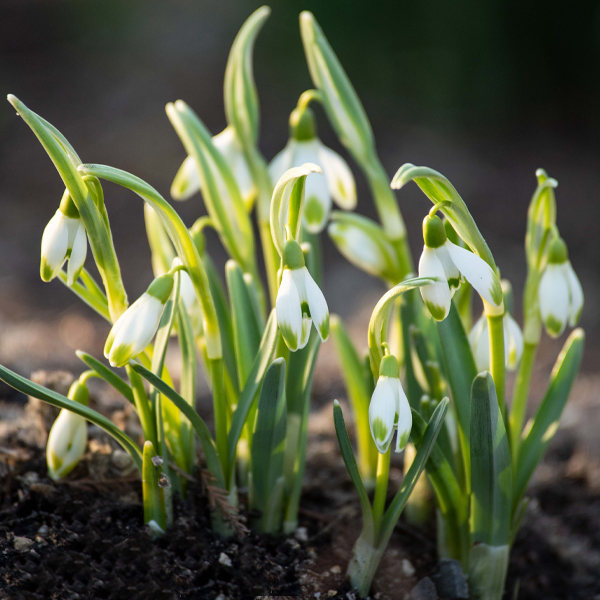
(438, 189)
(261, 362)
(246, 330)
(268, 443)
(208, 444)
(154, 502)
(87, 296)
(37, 391)
(491, 468)
(107, 374)
(397, 505)
(547, 418)
(541, 218)
(350, 462)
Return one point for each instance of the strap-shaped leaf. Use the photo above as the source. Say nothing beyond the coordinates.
(88, 297)
(397, 505)
(208, 444)
(541, 218)
(547, 418)
(491, 468)
(107, 374)
(350, 462)
(268, 441)
(439, 189)
(261, 362)
(37, 391)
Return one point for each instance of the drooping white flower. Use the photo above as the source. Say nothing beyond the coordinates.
(187, 179)
(136, 327)
(68, 436)
(389, 409)
(305, 147)
(449, 263)
(560, 293)
(64, 238)
(479, 339)
(300, 301)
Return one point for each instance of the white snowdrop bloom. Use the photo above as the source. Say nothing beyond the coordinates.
(187, 179)
(136, 327)
(68, 436)
(479, 339)
(389, 409)
(305, 147)
(300, 302)
(449, 263)
(560, 293)
(64, 238)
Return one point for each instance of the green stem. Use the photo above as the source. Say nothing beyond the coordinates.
(497, 364)
(142, 406)
(381, 484)
(220, 412)
(519, 403)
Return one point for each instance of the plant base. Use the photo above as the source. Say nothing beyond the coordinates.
(487, 571)
(363, 565)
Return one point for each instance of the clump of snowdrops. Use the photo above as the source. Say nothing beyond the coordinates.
(259, 343)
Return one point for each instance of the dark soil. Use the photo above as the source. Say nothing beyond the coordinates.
(87, 540)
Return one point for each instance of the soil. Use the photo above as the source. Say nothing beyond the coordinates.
(84, 538)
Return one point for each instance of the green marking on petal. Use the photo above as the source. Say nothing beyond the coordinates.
(313, 211)
(380, 430)
(121, 355)
(46, 272)
(341, 189)
(324, 328)
(402, 441)
(305, 309)
(554, 326)
(454, 283)
(289, 336)
(437, 312)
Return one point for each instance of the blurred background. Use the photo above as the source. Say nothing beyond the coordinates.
(484, 92)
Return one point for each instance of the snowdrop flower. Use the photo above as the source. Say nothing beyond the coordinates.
(560, 293)
(68, 436)
(389, 408)
(187, 179)
(479, 338)
(64, 238)
(299, 302)
(305, 147)
(449, 263)
(136, 327)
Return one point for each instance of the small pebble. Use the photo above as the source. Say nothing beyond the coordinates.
(293, 543)
(43, 530)
(331, 593)
(225, 560)
(301, 534)
(40, 540)
(121, 459)
(424, 590)
(22, 544)
(336, 570)
(407, 569)
(377, 596)
(221, 597)
(350, 596)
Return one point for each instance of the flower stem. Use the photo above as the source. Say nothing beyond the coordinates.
(220, 412)
(497, 364)
(381, 484)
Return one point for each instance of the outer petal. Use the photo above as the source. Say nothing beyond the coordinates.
(187, 180)
(404, 416)
(436, 296)
(66, 443)
(339, 178)
(317, 305)
(282, 162)
(55, 243)
(78, 254)
(477, 272)
(289, 312)
(576, 292)
(513, 342)
(382, 414)
(554, 299)
(479, 339)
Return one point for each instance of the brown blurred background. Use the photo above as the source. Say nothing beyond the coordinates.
(484, 92)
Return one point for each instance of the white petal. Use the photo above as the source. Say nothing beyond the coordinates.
(244, 180)
(289, 312)
(477, 272)
(554, 299)
(513, 342)
(339, 178)
(187, 180)
(436, 296)
(479, 339)
(404, 413)
(382, 414)
(576, 292)
(282, 162)
(452, 272)
(55, 243)
(66, 443)
(317, 305)
(78, 254)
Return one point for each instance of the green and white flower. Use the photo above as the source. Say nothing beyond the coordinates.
(560, 293)
(68, 436)
(137, 326)
(187, 179)
(389, 409)
(64, 238)
(479, 338)
(451, 263)
(305, 147)
(300, 301)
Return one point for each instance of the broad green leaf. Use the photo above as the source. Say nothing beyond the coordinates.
(491, 467)
(37, 391)
(545, 423)
(107, 374)
(350, 461)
